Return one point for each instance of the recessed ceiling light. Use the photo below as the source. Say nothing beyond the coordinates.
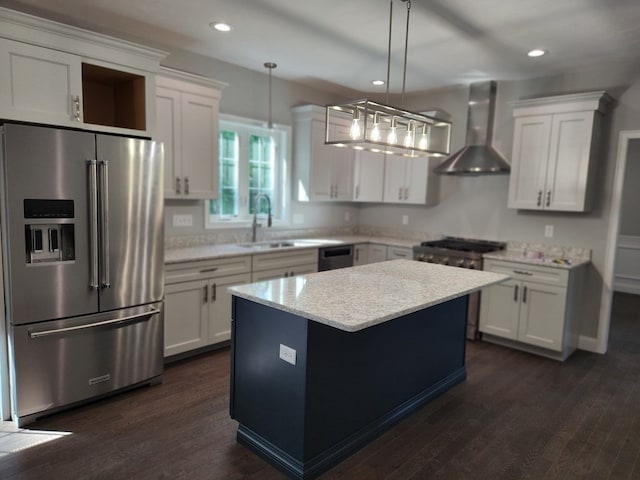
(537, 52)
(377, 82)
(220, 26)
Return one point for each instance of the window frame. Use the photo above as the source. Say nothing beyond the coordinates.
(281, 204)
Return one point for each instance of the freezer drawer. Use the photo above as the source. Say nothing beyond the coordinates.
(67, 361)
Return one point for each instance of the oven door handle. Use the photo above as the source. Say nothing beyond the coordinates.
(129, 318)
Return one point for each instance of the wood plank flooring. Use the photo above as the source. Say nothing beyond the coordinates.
(517, 416)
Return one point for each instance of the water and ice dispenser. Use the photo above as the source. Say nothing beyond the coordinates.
(50, 237)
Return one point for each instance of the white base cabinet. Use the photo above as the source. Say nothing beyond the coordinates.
(394, 253)
(555, 151)
(269, 266)
(197, 309)
(536, 310)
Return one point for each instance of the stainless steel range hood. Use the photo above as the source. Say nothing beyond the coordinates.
(478, 156)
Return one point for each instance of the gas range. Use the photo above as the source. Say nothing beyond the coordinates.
(464, 253)
(455, 251)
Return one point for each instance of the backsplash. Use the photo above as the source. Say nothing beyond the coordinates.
(241, 235)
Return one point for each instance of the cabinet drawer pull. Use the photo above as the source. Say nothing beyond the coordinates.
(214, 292)
(178, 185)
(522, 272)
(539, 202)
(515, 293)
(206, 293)
(208, 270)
(524, 294)
(549, 198)
(186, 185)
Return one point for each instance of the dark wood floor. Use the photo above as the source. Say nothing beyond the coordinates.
(516, 416)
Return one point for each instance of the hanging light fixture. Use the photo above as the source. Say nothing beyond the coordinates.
(382, 128)
(270, 66)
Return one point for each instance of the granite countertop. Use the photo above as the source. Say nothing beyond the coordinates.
(355, 298)
(212, 252)
(562, 261)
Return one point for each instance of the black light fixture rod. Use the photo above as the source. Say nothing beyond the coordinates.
(270, 66)
(406, 46)
(389, 49)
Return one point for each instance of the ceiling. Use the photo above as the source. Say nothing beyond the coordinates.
(339, 43)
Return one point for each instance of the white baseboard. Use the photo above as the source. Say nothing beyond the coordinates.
(589, 344)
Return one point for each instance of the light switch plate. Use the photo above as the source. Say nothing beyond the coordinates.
(183, 220)
(548, 231)
(287, 354)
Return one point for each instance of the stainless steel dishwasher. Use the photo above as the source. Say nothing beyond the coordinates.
(330, 258)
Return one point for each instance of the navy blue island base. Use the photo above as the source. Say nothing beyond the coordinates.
(345, 388)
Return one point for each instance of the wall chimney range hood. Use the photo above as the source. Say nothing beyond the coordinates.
(478, 156)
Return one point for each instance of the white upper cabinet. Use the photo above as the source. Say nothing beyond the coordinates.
(187, 123)
(322, 172)
(555, 148)
(86, 81)
(368, 177)
(410, 180)
(39, 82)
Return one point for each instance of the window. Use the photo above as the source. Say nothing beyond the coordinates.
(252, 160)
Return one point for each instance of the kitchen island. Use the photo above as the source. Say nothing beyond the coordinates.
(324, 363)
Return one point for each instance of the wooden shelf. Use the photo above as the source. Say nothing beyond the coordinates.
(113, 98)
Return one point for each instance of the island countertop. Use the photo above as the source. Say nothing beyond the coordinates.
(355, 298)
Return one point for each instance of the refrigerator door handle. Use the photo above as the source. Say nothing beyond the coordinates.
(104, 223)
(93, 223)
(129, 318)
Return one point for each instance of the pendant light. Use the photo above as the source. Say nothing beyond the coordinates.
(270, 66)
(383, 128)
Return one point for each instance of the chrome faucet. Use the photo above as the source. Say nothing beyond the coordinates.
(255, 224)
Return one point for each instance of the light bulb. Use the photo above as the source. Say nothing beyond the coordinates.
(355, 125)
(393, 136)
(423, 144)
(408, 138)
(375, 131)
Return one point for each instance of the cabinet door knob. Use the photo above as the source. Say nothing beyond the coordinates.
(539, 203)
(515, 293)
(178, 185)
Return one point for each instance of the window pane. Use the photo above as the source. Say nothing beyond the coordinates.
(261, 170)
(228, 198)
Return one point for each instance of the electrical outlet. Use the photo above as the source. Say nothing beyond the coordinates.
(347, 217)
(548, 231)
(183, 220)
(405, 219)
(287, 354)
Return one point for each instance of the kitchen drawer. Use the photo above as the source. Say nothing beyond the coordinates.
(394, 253)
(264, 275)
(282, 260)
(528, 272)
(189, 271)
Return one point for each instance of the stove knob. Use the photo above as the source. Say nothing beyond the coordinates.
(420, 257)
(460, 263)
(430, 259)
(472, 265)
(444, 261)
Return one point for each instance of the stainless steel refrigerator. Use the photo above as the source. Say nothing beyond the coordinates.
(82, 250)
